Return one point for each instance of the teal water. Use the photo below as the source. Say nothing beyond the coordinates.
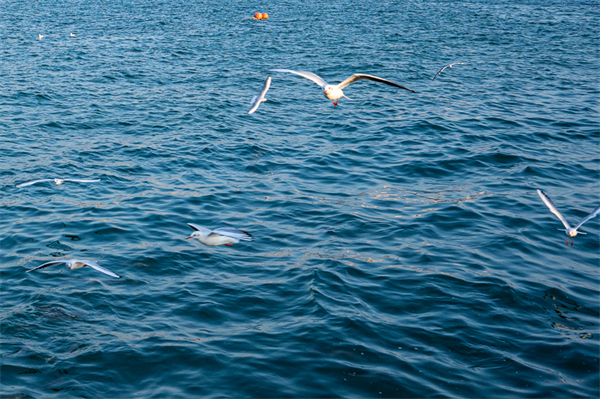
(401, 249)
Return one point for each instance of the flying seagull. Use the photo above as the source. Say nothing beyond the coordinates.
(334, 92)
(40, 36)
(77, 264)
(570, 231)
(448, 66)
(220, 236)
(256, 100)
(72, 34)
(58, 182)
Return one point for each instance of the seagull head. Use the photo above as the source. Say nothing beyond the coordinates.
(196, 234)
(72, 264)
(58, 182)
(328, 89)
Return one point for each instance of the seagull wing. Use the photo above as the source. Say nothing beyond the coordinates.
(54, 262)
(204, 230)
(308, 75)
(83, 180)
(588, 217)
(361, 76)
(258, 99)
(233, 233)
(553, 209)
(30, 182)
(100, 268)
(441, 70)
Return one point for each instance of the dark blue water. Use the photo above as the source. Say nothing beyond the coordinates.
(401, 249)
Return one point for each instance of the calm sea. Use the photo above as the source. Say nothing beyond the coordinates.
(401, 249)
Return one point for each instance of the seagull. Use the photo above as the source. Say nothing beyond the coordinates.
(40, 36)
(72, 34)
(334, 92)
(448, 66)
(256, 100)
(221, 236)
(570, 231)
(77, 264)
(58, 182)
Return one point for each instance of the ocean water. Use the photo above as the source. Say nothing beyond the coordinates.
(401, 249)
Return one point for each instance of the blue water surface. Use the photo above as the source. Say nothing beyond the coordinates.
(401, 248)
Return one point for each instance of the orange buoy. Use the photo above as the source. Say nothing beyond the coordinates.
(265, 15)
(258, 15)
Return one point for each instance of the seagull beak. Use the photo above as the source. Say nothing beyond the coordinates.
(188, 237)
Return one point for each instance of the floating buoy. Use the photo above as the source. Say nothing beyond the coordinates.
(258, 15)
(265, 15)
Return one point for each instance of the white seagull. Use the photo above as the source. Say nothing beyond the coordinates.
(58, 182)
(40, 36)
(256, 100)
(72, 34)
(77, 264)
(220, 236)
(570, 231)
(448, 66)
(334, 92)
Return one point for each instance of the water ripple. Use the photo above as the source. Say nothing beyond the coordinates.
(401, 249)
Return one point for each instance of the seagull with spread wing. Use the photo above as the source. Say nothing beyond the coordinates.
(334, 92)
(570, 231)
(58, 182)
(447, 66)
(221, 236)
(73, 264)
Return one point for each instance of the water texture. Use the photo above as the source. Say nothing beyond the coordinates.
(401, 249)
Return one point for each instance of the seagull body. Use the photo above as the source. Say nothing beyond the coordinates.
(334, 92)
(571, 232)
(58, 182)
(73, 264)
(448, 66)
(256, 100)
(40, 36)
(220, 236)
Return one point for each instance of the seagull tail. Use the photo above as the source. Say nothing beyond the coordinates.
(346, 97)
